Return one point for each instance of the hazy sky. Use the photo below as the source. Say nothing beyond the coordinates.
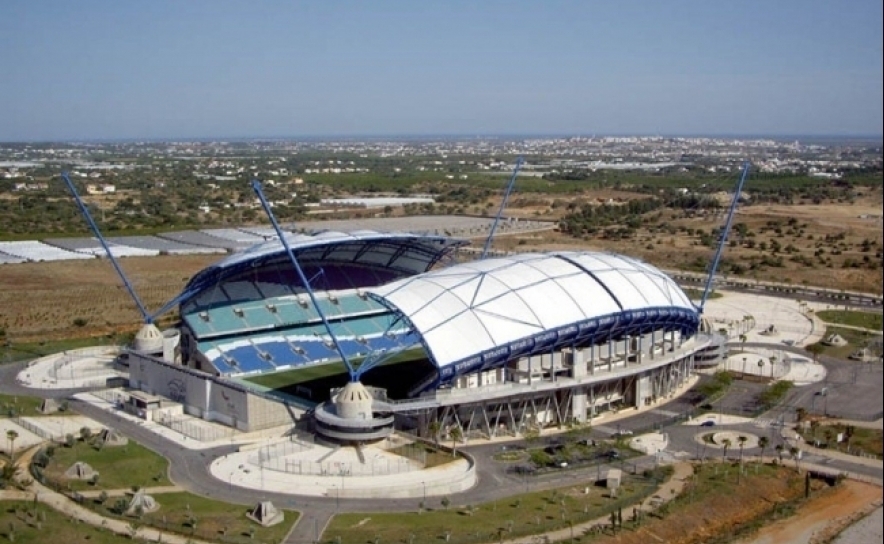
(113, 69)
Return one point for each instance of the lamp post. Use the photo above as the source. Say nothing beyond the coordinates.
(424, 484)
(760, 368)
(744, 368)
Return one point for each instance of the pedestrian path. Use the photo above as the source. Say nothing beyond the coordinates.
(35, 491)
(669, 489)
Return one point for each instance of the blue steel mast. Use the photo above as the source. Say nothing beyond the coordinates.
(724, 234)
(147, 318)
(256, 186)
(506, 196)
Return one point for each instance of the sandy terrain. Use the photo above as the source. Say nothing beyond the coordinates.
(824, 516)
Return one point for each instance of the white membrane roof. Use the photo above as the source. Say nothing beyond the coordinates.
(474, 307)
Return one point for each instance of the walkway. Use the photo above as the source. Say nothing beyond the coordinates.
(670, 488)
(69, 508)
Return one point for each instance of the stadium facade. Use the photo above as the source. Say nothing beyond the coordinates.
(490, 346)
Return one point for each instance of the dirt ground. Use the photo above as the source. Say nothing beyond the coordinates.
(823, 517)
(816, 521)
(90, 293)
(58, 293)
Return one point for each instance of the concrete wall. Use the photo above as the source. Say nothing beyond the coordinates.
(206, 396)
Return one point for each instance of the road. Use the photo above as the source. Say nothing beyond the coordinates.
(847, 390)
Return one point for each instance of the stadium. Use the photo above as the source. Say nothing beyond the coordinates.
(491, 346)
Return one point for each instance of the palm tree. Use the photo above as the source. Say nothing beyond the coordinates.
(433, 429)
(742, 440)
(848, 434)
(779, 448)
(794, 451)
(726, 443)
(11, 435)
(763, 443)
(456, 434)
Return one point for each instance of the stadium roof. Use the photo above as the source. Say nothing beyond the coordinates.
(476, 315)
(406, 252)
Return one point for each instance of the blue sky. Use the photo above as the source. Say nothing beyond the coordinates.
(200, 69)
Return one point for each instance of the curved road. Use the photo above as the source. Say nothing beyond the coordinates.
(189, 468)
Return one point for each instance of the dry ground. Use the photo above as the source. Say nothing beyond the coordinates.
(823, 517)
(714, 517)
(41, 301)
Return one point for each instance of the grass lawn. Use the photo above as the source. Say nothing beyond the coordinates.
(25, 523)
(527, 514)
(852, 318)
(13, 406)
(867, 441)
(424, 453)
(719, 504)
(26, 351)
(697, 294)
(202, 518)
(119, 467)
(855, 340)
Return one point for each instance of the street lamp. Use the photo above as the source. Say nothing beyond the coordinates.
(424, 484)
(744, 368)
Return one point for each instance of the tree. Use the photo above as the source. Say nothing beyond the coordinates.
(726, 443)
(848, 434)
(779, 450)
(742, 440)
(85, 433)
(816, 349)
(794, 452)
(763, 442)
(433, 428)
(446, 502)
(456, 435)
(11, 435)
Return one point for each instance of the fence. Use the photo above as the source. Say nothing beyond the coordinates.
(37, 430)
(276, 457)
(195, 429)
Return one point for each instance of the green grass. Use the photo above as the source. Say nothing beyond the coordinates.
(430, 456)
(119, 467)
(34, 350)
(852, 318)
(202, 518)
(696, 294)
(39, 524)
(14, 406)
(863, 441)
(855, 340)
(517, 516)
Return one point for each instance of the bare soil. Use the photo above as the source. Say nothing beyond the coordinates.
(41, 301)
(822, 517)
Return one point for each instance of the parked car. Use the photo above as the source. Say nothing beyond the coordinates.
(707, 423)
